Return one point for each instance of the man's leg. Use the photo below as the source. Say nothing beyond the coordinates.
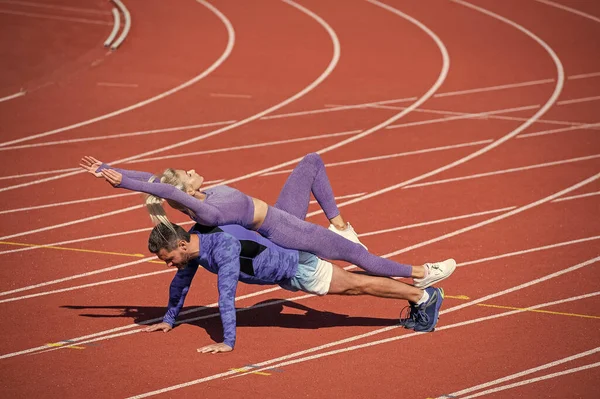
(424, 304)
(346, 283)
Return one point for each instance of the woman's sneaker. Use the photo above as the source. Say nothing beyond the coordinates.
(348, 233)
(436, 272)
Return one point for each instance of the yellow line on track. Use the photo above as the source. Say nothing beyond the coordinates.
(19, 244)
(250, 372)
(540, 311)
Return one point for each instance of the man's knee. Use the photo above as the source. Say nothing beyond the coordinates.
(350, 283)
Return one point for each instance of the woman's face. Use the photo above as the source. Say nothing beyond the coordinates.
(190, 179)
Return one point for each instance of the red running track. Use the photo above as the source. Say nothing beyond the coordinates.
(449, 129)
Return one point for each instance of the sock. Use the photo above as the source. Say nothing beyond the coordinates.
(424, 298)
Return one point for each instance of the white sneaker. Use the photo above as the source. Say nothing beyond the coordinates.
(348, 233)
(437, 271)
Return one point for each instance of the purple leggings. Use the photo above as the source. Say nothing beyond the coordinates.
(285, 224)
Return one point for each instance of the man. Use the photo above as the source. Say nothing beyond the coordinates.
(237, 254)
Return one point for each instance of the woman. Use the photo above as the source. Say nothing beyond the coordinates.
(283, 223)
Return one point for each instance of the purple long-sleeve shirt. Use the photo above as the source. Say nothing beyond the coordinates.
(222, 205)
(234, 254)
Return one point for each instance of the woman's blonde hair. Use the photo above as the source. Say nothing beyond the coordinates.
(154, 203)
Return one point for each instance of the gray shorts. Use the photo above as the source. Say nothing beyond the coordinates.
(313, 275)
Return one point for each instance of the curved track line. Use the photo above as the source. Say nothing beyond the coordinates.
(535, 117)
(569, 9)
(126, 27)
(421, 100)
(115, 29)
(12, 96)
(307, 89)
(190, 82)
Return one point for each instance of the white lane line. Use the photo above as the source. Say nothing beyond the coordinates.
(491, 114)
(569, 9)
(500, 217)
(230, 95)
(87, 219)
(527, 251)
(437, 221)
(109, 84)
(55, 17)
(215, 65)
(493, 88)
(86, 274)
(16, 95)
(126, 26)
(115, 136)
(441, 78)
(47, 172)
(391, 156)
(504, 171)
(115, 29)
(55, 7)
(330, 67)
(30, 208)
(585, 75)
(577, 196)
(564, 129)
(116, 280)
(522, 373)
(579, 100)
(246, 147)
(536, 379)
(534, 118)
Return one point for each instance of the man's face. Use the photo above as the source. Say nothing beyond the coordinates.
(179, 257)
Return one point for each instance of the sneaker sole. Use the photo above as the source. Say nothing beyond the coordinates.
(432, 282)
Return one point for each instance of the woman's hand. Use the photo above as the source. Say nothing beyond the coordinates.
(112, 176)
(90, 164)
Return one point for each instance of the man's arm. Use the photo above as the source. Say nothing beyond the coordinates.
(227, 256)
(178, 290)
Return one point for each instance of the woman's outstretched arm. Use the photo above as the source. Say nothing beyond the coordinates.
(205, 213)
(95, 167)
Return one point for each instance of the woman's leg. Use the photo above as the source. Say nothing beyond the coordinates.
(308, 176)
(291, 232)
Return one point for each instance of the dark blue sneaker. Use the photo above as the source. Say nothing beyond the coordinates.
(426, 314)
(408, 316)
